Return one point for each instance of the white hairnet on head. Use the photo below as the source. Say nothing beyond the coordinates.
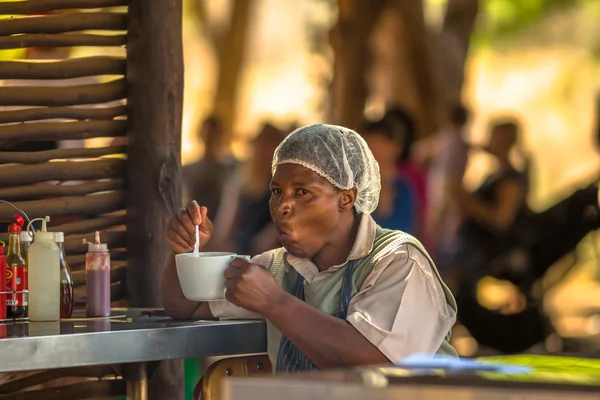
(339, 155)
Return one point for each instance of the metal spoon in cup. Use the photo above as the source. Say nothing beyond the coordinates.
(197, 244)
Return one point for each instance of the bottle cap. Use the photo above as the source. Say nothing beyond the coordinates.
(96, 247)
(43, 235)
(26, 236)
(59, 237)
(16, 226)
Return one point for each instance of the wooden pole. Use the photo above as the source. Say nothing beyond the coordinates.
(62, 96)
(155, 100)
(63, 69)
(13, 175)
(51, 131)
(36, 6)
(96, 204)
(38, 157)
(61, 23)
(61, 40)
(155, 97)
(37, 114)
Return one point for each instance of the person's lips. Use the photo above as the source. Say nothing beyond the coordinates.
(282, 233)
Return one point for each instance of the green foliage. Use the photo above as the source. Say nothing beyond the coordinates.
(504, 18)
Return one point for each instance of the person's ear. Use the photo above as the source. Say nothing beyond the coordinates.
(347, 199)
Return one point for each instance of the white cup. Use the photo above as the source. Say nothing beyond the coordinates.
(202, 278)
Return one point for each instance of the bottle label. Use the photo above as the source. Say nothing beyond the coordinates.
(16, 281)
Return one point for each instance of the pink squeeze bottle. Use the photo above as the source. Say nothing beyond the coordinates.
(97, 267)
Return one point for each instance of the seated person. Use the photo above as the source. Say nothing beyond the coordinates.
(396, 209)
(342, 291)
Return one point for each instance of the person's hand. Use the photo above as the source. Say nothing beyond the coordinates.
(181, 230)
(251, 287)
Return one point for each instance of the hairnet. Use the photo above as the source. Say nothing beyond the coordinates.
(339, 155)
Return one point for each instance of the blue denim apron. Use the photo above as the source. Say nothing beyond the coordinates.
(290, 358)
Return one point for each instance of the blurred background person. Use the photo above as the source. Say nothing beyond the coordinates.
(243, 223)
(396, 208)
(204, 179)
(446, 156)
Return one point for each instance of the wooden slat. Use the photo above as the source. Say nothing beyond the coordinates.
(11, 175)
(10, 157)
(52, 374)
(61, 40)
(83, 390)
(77, 260)
(63, 96)
(117, 274)
(91, 205)
(38, 6)
(63, 69)
(61, 23)
(78, 113)
(90, 225)
(42, 190)
(74, 243)
(52, 131)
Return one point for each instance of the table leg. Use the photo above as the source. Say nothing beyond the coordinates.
(136, 379)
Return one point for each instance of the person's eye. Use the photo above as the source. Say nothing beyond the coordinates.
(302, 192)
(276, 191)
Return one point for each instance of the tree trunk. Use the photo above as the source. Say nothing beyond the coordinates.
(418, 60)
(417, 70)
(453, 44)
(350, 43)
(155, 99)
(230, 50)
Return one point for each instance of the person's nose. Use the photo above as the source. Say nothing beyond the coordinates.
(284, 206)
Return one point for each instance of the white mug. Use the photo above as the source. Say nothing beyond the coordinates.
(202, 278)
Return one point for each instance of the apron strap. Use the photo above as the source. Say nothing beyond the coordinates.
(290, 358)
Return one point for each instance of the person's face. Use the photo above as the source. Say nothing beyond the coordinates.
(500, 142)
(211, 136)
(384, 150)
(306, 209)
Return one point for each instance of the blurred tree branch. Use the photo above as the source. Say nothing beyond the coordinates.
(428, 68)
(229, 44)
(350, 42)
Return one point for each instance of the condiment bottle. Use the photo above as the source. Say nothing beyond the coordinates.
(16, 273)
(97, 267)
(43, 259)
(3, 287)
(66, 283)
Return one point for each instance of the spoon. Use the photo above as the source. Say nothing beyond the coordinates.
(197, 244)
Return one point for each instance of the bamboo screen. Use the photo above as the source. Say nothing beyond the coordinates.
(77, 104)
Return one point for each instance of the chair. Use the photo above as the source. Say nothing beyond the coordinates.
(209, 387)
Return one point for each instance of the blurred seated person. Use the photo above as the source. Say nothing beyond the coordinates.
(243, 223)
(446, 154)
(206, 178)
(403, 126)
(341, 292)
(492, 213)
(396, 208)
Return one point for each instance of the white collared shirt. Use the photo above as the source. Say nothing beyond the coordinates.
(400, 308)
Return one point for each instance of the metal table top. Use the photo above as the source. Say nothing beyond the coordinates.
(45, 345)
